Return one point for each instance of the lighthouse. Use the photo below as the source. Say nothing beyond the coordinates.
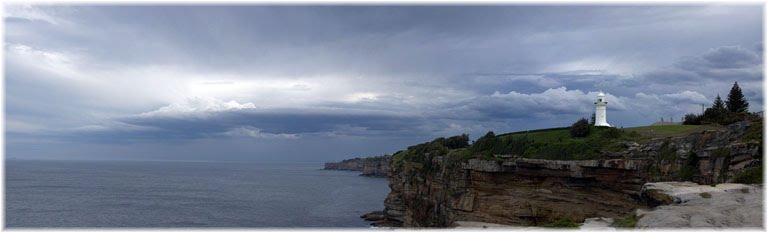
(600, 118)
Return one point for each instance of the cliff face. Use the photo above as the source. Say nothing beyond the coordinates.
(518, 191)
(371, 166)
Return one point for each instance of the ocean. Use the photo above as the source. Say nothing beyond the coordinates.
(161, 194)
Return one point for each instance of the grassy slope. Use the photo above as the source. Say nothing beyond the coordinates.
(556, 135)
(670, 130)
(557, 143)
(543, 136)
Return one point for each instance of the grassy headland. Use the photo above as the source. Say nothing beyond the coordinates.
(552, 143)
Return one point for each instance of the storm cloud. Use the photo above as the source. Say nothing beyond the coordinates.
(257, 81)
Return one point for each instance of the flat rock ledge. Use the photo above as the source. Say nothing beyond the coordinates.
(378, 219)
(590, 224)
(689, 205)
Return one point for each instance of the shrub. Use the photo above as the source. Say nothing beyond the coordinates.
(753, 133)
(752, 175)
(424, 152)
(692, 119)
(609, 132)
(562, 223)
(714, 115)
(485, 143)
(578, 150)
(630, 221)
(691, 168)
(455, 142)
(490, 144)
(580, 128)
(667, 152)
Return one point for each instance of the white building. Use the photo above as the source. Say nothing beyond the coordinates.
(600, 117)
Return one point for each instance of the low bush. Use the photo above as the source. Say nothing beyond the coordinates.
(580, 128)
(609, 132)
(630, 221)
(752, 175)
(562, 223)
(753, 133)
(692, 119)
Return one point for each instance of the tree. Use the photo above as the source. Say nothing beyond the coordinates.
(455, 142)
(692, 119)
(485, 143)
(718, 104)
(736, 101)
(580, 128)
(714, 115)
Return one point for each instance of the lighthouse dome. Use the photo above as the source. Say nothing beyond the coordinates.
(601, 94)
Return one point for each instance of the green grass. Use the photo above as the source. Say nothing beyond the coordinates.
(547, 136)
(558, 144)
(563, 135)
(555, 143)
(753, 133)
(627, 222)
(661, 131)
(462, 153)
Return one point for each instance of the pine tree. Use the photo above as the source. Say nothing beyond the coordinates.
(718, 104)
(736, 101)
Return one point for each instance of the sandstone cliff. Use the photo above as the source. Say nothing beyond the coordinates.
(371, 166)
(435, 191)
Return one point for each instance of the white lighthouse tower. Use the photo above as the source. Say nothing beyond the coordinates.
(600, 118)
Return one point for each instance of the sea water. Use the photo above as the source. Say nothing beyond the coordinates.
(161, 194)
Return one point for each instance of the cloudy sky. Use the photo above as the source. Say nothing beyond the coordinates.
(323, 83)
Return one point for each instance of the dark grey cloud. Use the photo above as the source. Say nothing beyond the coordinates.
(732, 57)
(296, 122)
(711, 72)
(301, 75)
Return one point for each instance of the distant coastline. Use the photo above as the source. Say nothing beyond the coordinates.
(375, 166)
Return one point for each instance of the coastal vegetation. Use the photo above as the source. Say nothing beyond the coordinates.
(752, 175)
(438, 182)
(663, 131)
(582, 140)
(507, 169)
(732, 110)
(628, 221)
(580, 128)
(561, 223)
(553, 143)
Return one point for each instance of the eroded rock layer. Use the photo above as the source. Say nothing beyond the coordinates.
(518, 191)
